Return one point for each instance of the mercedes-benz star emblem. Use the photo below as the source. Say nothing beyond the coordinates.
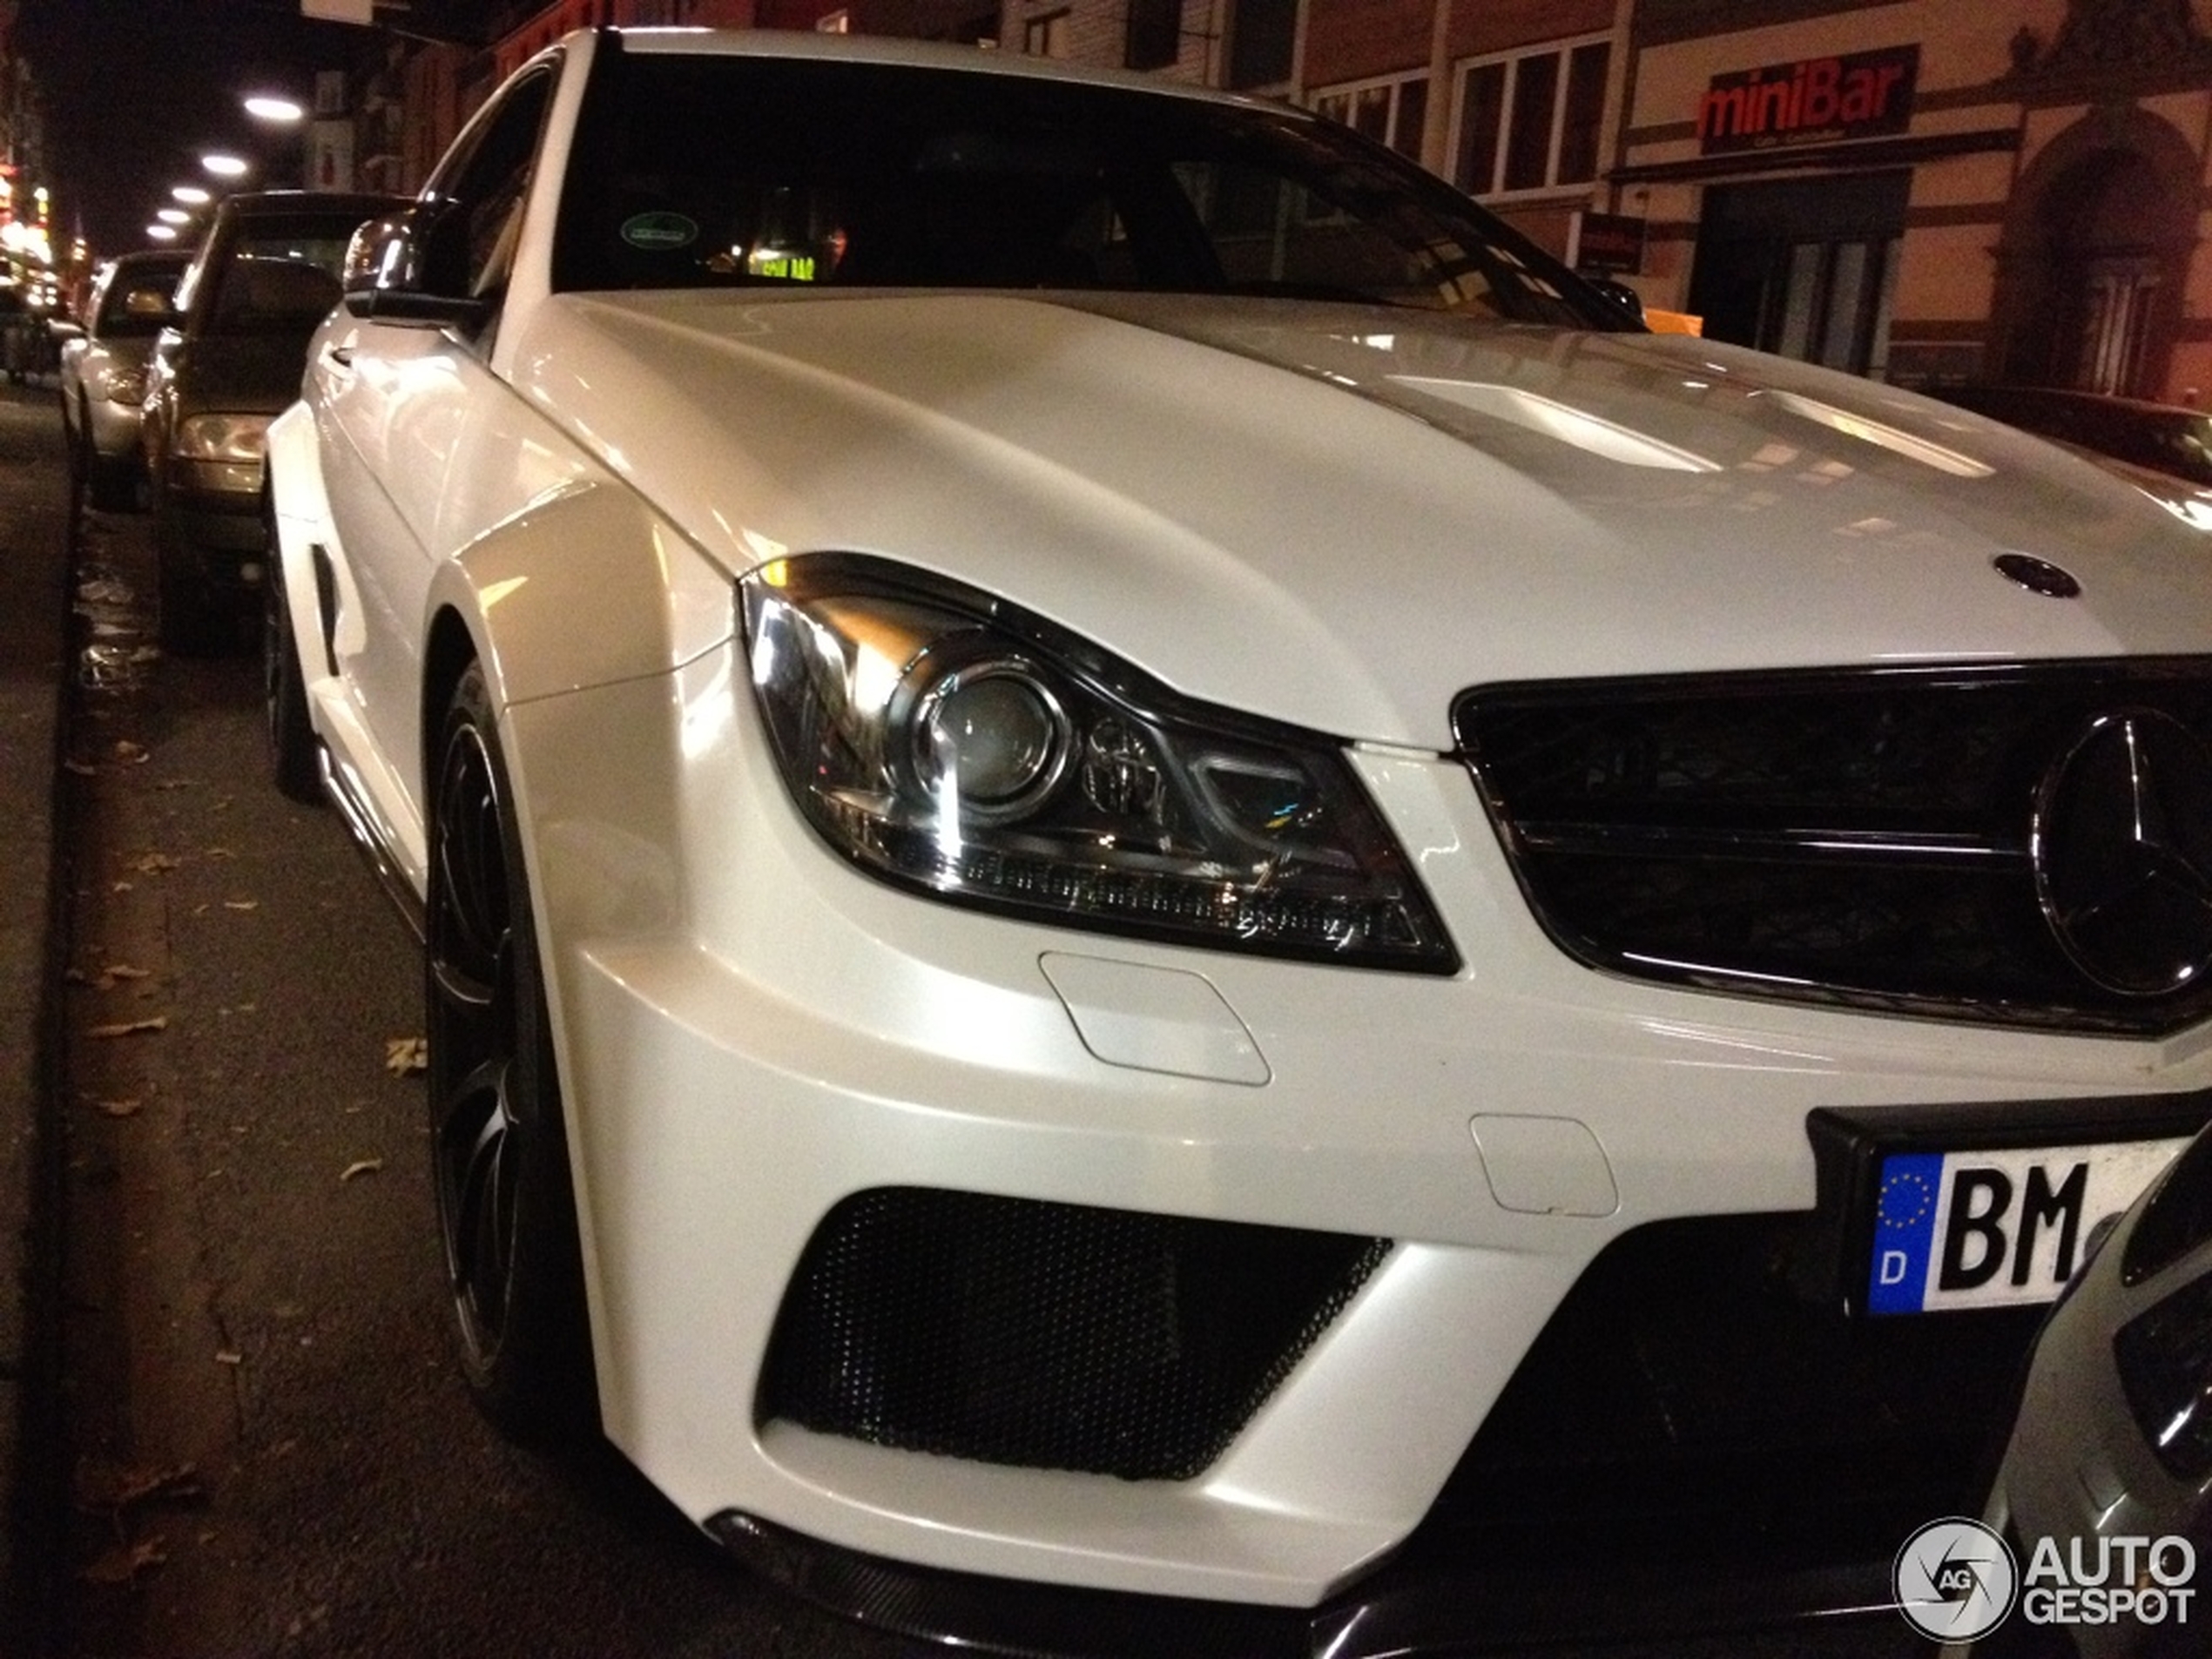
(2121, 846)
(2038, 575)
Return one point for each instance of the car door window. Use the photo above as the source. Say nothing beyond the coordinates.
(491, 180)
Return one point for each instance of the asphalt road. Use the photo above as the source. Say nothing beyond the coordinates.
(272, 1451)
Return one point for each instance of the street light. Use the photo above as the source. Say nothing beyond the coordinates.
(267, 106)
(190, 195)
(224, 164)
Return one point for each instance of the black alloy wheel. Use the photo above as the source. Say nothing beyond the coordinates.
(294, 755)
(505, 1203)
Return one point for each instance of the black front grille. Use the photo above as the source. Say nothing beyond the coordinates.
(1048, 1335)
(1685, 1405)
(1862, 837)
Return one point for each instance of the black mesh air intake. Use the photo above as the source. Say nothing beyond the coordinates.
(1049, 1335)
(1684, 1404)
(1967, 843)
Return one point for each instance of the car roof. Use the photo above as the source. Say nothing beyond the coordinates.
(294, 204)
(2075, 396)
(821, 47)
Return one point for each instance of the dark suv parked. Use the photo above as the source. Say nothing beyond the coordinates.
(2165, 437)
(265, 274)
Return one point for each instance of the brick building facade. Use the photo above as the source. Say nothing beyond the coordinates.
(1920, 190)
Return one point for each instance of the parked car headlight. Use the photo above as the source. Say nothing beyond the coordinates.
(222, 437)
(948, 743)
(121, 383)
(2164, 1358)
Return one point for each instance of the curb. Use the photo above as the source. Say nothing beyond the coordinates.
(36, 629)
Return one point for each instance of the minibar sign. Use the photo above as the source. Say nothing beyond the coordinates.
(1816, 100)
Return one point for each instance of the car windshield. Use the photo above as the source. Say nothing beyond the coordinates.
(707, 170)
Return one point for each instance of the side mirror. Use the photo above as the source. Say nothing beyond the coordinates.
(411, 267)
(61, 328)
(1619, 293)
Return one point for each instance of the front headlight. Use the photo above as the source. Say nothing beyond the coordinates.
(2164, 1358)
(948, 743)
(233, 438)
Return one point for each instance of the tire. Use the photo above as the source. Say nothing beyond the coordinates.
(295, 756)
(506, 1206)
(79, 478)
(106, 482)
(195, 621)
(110, 482)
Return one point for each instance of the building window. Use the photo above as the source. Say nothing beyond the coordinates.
(1263, 35)
(1530, 121)
(1045, 36)
(1390, 111)
(1154, 34)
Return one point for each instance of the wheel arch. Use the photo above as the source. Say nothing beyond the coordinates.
(577, 611)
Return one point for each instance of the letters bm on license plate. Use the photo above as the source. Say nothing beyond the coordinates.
(1968, 1229)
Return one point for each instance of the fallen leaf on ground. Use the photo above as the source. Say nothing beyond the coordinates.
(120, 1108)
(403, 1055)
(111, 1486)
(217, 853)
(227, 1357)
(80, 769)
(135, 753)
(360, 1166)
(131, 1027)
(123, 1564)
(154, 864)
(241, 904)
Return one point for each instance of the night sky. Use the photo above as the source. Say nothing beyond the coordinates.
(137, 90)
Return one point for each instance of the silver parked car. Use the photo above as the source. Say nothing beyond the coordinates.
(104, 374)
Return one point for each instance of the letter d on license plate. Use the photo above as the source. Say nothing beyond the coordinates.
(1965, 1230)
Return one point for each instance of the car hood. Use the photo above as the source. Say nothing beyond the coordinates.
(1342, 515)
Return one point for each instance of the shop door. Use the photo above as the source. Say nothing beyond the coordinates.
(2115, 324)
(1805, 269)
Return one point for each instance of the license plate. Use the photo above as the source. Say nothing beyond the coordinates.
(1988, 1228)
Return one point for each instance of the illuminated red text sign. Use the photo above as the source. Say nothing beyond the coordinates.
(1814, 100)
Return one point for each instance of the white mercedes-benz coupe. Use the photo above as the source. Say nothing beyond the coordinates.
(1157, 881)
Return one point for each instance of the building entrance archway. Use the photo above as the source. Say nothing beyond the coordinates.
(2091, 269)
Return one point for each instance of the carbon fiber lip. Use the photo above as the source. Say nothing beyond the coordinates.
(1404, 1609)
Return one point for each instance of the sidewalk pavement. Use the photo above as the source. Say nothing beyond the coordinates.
(34, 643)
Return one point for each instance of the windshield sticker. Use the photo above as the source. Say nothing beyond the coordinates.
(657, 233)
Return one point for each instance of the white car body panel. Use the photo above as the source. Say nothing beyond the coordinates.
(1033, 447)
(749, 1030)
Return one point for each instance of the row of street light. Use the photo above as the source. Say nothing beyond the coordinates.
(187, 201)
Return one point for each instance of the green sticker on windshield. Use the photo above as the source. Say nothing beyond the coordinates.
(658, 233)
